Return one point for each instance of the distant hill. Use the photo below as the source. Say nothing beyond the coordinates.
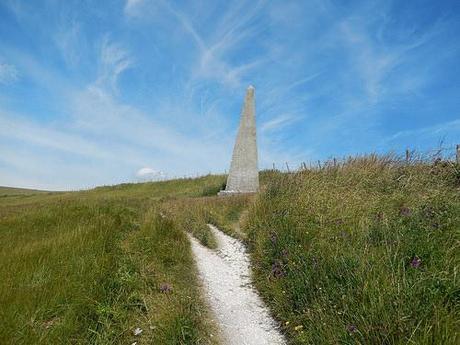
(10, 191)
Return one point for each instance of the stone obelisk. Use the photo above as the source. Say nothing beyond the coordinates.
(244, 174)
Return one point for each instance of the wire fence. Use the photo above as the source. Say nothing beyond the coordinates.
(449, 153)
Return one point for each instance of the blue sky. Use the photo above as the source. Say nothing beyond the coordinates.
(99, 92)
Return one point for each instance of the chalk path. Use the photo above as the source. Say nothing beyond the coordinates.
(225, 274)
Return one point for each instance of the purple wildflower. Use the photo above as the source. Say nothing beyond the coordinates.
(285, 254)
(429, 212)
(277, 270)
(314, 262)
(166, 288)
(416, 262)
(344, 234)
(352, 329)
(405, 211)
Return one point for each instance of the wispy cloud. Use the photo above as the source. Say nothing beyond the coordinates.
(214, 51)
(103, 129)
(437, 131)
(19, 128)
(67, 39)
(114, 59)
(372, 66)
(278, 122)
(375, 60)
(158, 84)
(234, 30)
(8, 73)
(132, 7)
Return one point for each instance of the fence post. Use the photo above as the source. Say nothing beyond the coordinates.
(287, 166)
(407, 155)
(458, 154)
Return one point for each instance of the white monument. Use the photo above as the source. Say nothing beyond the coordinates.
(244, 174)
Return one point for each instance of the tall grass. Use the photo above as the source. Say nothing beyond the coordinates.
(194, 215)
(56, 269)
(357, 252)
(364, 252)
(90, 267)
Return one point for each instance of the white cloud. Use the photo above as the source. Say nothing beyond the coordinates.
(132, 7)
(214, 51)
(68, 41)
(114, 59)
(8, 73)
(436, 130)
(278, 122)
(234, 29)
(15, 127)
(375, 60)
(149, 174)
(104, 138)
(214, 47)
(370, 62)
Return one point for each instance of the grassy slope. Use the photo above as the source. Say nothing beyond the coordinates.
(365, 253)
(332, 251)
(10, 191)
(87, 267)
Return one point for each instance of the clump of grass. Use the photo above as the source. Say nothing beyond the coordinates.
(174, 310)
(361, 252)
(227, 212)
(212, 190)
(194, 215)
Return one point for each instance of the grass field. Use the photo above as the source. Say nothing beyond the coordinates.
(362, 252)
(90, 267)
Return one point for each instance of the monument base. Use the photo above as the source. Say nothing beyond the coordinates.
(233, 192)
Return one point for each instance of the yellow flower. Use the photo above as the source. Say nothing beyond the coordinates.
(298, 328)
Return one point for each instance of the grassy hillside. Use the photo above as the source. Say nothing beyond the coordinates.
(90, 267)
(11, 191)
(362, 253)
